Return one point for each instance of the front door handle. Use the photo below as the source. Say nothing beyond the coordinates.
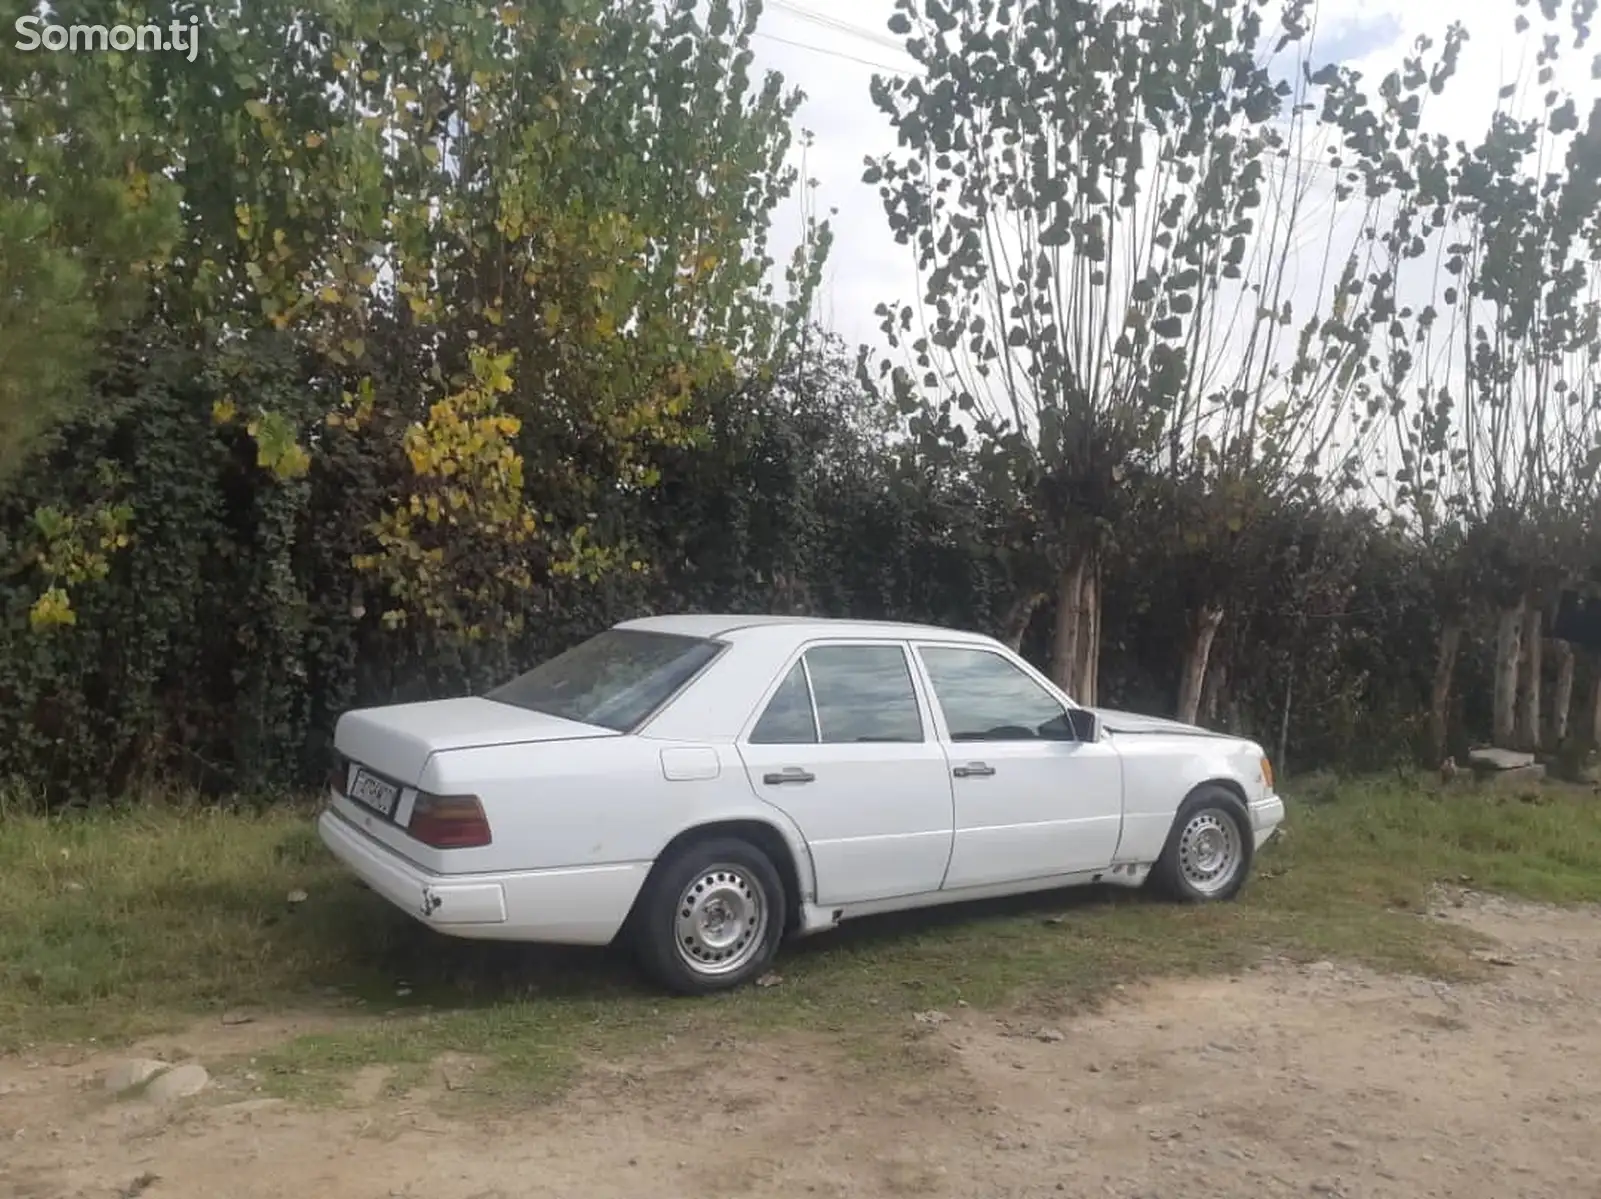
(974, 770)
(790, 774)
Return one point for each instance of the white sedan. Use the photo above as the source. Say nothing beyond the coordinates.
(707, 785)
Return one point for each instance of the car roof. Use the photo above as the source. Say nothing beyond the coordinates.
(794, 627)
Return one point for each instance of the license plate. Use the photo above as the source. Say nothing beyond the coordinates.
(373, 792)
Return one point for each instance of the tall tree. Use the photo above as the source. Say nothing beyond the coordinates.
(85, 221)
(511, 234)
(1281, 369)
(1490, 388)
(433, 292)
(1083, 185)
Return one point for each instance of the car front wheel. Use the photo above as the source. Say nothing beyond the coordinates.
(711, 917)
(1209, 850)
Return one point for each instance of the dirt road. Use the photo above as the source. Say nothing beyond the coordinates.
(1290, 1080)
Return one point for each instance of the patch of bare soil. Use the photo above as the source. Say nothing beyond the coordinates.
(1288, 1080)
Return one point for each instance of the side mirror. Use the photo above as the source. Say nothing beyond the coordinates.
(1085, 726)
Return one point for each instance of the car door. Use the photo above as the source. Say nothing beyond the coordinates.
(843, 745)
(1031, 800)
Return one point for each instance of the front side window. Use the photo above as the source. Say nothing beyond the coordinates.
(986, 698)
(864, 693)
(615, 679)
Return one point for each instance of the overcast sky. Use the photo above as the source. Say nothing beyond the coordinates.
(830, 49)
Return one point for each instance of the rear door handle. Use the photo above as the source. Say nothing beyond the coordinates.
(790, 774)
(974, 770)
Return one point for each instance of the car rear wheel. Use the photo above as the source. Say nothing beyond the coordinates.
(710, 918)
(1209, 849)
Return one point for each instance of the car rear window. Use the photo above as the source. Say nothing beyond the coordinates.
(615, 679)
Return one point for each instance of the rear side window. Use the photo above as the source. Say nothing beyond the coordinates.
(614, 680)
(788, 719)
(864, 693)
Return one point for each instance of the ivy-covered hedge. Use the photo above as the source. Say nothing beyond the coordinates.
(231, 630)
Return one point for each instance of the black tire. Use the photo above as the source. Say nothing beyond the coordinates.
(732, 872)
(1204, 810)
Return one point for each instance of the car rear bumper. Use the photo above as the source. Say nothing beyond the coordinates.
(580, 905)
(1267, 814)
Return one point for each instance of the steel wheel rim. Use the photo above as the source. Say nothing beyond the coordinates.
(720, 923)
(1210, 851)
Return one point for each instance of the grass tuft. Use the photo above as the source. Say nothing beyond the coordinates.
(113, 926)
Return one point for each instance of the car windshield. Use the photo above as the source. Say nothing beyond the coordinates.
(615, 679)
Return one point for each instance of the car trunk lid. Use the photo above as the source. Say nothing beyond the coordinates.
(394, 744)
(398, 741)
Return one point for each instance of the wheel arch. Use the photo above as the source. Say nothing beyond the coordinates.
(763, 834)
(1222, 782)
(1227, 783)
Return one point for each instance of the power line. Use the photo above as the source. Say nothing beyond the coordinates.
(837, 25)
(840, 54)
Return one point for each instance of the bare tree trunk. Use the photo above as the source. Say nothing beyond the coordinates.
(1089, 642)
(1019, 618)
(791, 597)
(1212, 690)
(1197, 654)
(1280, 769)
(1095, 640)
(1508, 632)
(1562, 696)
(1233, 716)
(1440, 700)
(1595, 706)
(1065, 636)
(1531, 676)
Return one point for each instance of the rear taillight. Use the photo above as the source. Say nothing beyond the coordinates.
(449, 821)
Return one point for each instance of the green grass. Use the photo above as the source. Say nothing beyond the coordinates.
(114, 926)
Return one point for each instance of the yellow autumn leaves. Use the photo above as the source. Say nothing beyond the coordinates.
(74, 548)
(445, 549)
(470, 180)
